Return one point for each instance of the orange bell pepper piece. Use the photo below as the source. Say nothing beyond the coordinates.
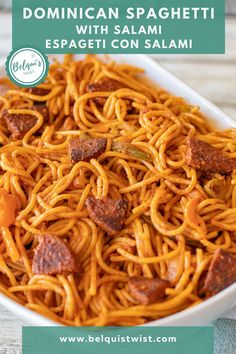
(8, 205)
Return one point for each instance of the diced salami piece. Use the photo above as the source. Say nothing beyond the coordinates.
(84, 150)
(206, 158)
(147, 291)
(4, 280)
(43, 109)
(106, 85)
(108, 213)
(38, 91)
(53, 256)
(221, 273)
(19, 124)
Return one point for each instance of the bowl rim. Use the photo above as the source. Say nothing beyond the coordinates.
(37, 319)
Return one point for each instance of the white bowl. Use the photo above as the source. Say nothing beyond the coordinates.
(212, 308)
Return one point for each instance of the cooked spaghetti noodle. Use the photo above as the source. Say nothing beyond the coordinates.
(176, 219)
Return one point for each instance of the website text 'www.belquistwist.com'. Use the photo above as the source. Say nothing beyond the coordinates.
(116, 339)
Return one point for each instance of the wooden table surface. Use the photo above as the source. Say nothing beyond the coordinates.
(213, 76)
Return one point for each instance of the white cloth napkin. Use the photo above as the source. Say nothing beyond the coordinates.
(225, 334)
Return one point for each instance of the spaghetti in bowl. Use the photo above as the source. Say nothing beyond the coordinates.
(122, 197)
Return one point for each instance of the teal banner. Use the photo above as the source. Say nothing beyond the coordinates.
(120, 26)
(117, 340)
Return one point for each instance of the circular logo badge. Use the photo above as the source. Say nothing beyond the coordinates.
(27, 67)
